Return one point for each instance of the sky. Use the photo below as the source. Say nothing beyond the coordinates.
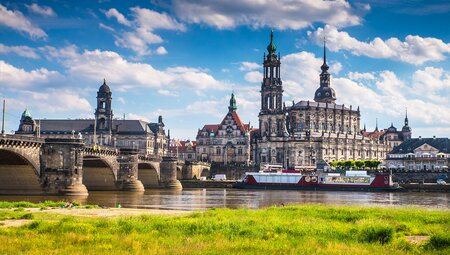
(182, 59)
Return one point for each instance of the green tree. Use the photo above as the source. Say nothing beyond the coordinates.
(349, 163)
(359, 164)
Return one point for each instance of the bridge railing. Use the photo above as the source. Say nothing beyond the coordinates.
(22, 138)
(149, 157)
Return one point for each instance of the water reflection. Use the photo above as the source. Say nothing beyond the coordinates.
(199, 199)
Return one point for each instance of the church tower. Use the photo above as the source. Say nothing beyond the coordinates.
(406, 130)
(325, 93)
(271, 117)
(103, 113)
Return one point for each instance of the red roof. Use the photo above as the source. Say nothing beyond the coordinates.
(182, 146)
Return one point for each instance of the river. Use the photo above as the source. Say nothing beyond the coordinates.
(200, 199)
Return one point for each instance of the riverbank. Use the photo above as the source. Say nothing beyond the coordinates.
(311, 229)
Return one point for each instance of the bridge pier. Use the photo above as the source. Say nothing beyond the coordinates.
(127, 178)
(62, 167)
(168, 172)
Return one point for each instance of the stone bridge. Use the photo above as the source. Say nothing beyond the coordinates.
(31, 165)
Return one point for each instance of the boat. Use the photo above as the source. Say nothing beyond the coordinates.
(296, 180)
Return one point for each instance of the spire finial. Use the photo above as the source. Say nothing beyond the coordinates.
(376, 124)
(324, 50)
(104, 81)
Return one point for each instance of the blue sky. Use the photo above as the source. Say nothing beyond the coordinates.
(182, 59)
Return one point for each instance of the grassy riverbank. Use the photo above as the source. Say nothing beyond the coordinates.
(284, 230)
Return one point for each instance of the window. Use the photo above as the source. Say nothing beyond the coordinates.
(240, 151)
(218, 151)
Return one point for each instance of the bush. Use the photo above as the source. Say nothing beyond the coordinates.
(439, 241)
(376, 234)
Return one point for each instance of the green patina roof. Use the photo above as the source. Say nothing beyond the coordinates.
(271, 48)
(26, 113)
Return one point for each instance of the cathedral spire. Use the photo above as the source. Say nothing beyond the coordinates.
(376, 125)
(406, 117)
(325, 94)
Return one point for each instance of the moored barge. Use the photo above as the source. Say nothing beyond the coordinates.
(289, 180)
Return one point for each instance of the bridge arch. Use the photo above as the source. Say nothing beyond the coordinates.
(149, 174)
(19, 173)
(99, 174)
(205, 172)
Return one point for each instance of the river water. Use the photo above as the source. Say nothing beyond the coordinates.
(200, 199)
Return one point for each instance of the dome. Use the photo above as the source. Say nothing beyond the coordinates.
(325, 94)
(271, 48)
(392, 129)
(406, 129)
(104, 88)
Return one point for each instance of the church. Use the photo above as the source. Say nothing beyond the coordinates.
(307, 132)
(103, 130)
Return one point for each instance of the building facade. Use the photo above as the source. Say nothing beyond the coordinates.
(420, 154)
(183, 150)
(391, 136)
(227, 142)
(307, 132)
(103, 130)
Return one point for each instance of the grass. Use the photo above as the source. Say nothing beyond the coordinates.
(42, 205)
(310, 229)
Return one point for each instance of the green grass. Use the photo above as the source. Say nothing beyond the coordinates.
(311, 229)
(42, 205)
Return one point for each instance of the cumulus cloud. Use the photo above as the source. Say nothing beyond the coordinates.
(23, 51)
(41, 10)
(17, 21)
(293, 14)
(51, 101)
(432, 83)
(161, 51)
(143, 26)
(114, 13)
(249, 66)
(254, 77)
(414, 49)
(96, 64)
(11, 76)
(361, 76)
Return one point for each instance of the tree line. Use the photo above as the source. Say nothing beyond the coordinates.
(359, 164)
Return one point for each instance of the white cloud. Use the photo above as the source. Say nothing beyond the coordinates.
(166, 92)
(432, 83)
(17, 21)
(119, 16)
(293, 14)
(11, 76)
(51, 101)
(96, 64)
(361, 76)
(414, 49)
(161, 51)
(144, 25)
(41, 10)
(23, 51)
(133, 116)
(249, 66)
(101, 25)
(254, 77)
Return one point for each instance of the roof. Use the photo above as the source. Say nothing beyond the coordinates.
(408, 146)
(213, 128)
(374, 134)
(87, 125)
(182, 146)
(305, 104)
